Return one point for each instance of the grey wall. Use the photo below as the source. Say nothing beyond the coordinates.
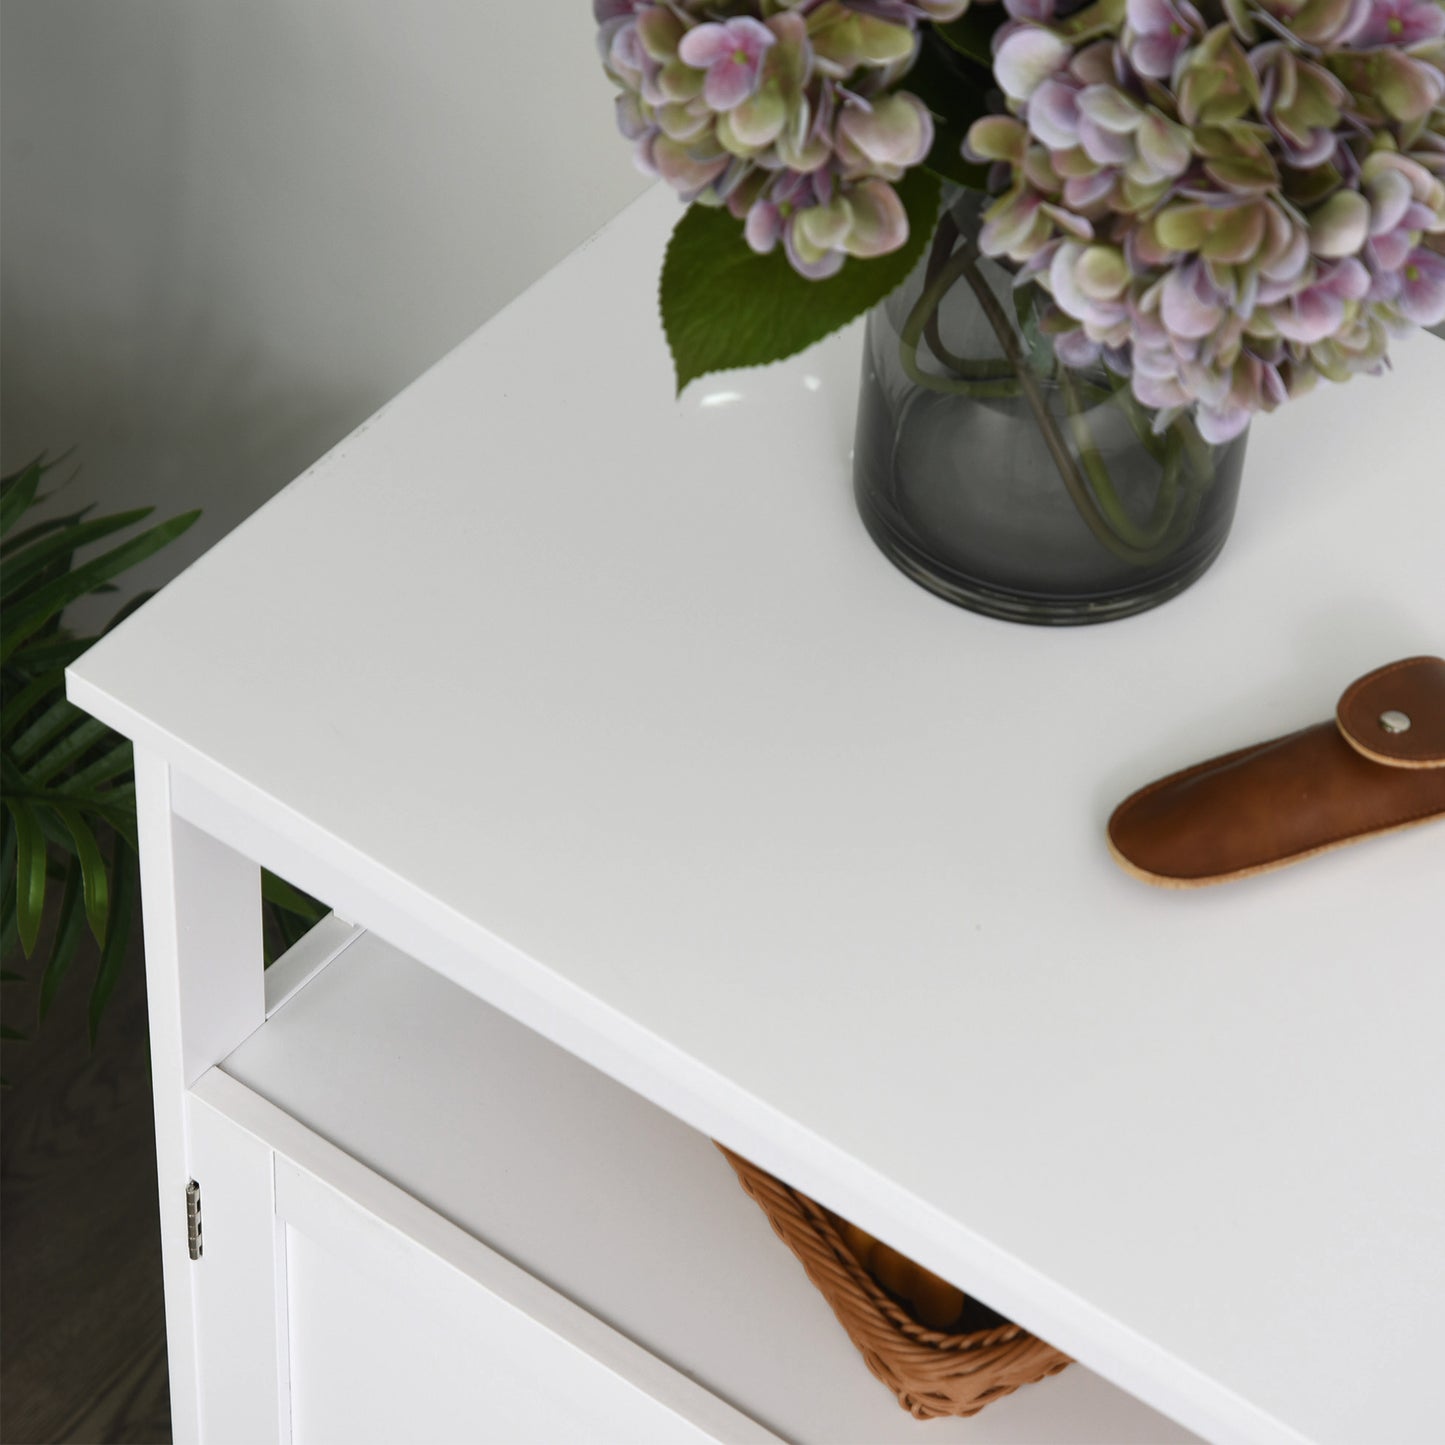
(230, 231)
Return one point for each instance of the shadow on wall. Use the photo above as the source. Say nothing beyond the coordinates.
(225, 439)
(230, 233)
(118, 345)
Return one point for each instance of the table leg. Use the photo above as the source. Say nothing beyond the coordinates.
(202, 911)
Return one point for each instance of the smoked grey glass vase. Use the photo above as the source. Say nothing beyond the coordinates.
(1010, 484)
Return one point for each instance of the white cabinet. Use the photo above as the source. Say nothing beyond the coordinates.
(672, 812)
(422, 1221)
(392, 1324)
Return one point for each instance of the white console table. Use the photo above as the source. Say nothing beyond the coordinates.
(661, 807)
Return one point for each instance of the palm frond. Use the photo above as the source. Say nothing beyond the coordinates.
(21, 706)
(60, 547)
(117, 937)
(68, 929)
(59, 716)
(14, 541)
(18, 492)
(30, 872)
(67, 750)
(51, 656)
(115, 762)
(288, 914)
(25, 618)
(94, 884)
(67, 781)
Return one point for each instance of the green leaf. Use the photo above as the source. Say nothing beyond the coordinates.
(92, 871)
(116, 806)
(47, 602)
(293, 900)
(72, 747)
(9, 884)
(972, 33)
(18, 540)
(955, 92)
(57, 836)
(17, 493)
(117, 938)
(30, 872)
(134, 605)
(723, 305)
(60, 716)
(6, 1032)
(9, 893)
(289, 915)
(51, 656)
(17, 706)
(115, 763)
(68, 928)
(21, 568)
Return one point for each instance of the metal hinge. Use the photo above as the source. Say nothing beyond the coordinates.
(193, 1218)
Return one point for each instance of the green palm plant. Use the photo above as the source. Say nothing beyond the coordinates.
(67, 825)
(67, 780)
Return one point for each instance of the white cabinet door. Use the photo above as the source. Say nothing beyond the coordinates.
(389, 1342)
(334, 1309)
(238, 1286)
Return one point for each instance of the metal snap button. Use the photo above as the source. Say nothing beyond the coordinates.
(1395, 721)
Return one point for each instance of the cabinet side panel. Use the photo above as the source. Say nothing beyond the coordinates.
(201, 903)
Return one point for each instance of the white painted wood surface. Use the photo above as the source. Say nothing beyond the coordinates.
(390, 1345)
(607, 708)
(202, 913)
(623, 1209)
(290, 973)
(537, 1357)
(240, 1286)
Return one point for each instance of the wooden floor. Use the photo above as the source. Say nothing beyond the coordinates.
(82, 1332)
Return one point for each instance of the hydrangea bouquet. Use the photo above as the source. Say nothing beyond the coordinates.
(1220, 201)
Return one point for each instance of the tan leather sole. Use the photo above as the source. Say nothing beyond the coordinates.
(1162, 880)
(1377, 768)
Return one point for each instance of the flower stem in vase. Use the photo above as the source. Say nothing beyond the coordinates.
(1086, 476)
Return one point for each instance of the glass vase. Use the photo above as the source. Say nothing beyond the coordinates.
(1011, 484)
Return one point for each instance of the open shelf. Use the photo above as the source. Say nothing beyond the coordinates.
(602, 1196)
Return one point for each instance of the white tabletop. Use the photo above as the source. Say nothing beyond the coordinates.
(616, 694)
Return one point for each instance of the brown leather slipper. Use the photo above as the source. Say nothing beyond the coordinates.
(1377, 768)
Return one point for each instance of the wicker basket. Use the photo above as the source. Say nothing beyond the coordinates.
(933, 1373)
